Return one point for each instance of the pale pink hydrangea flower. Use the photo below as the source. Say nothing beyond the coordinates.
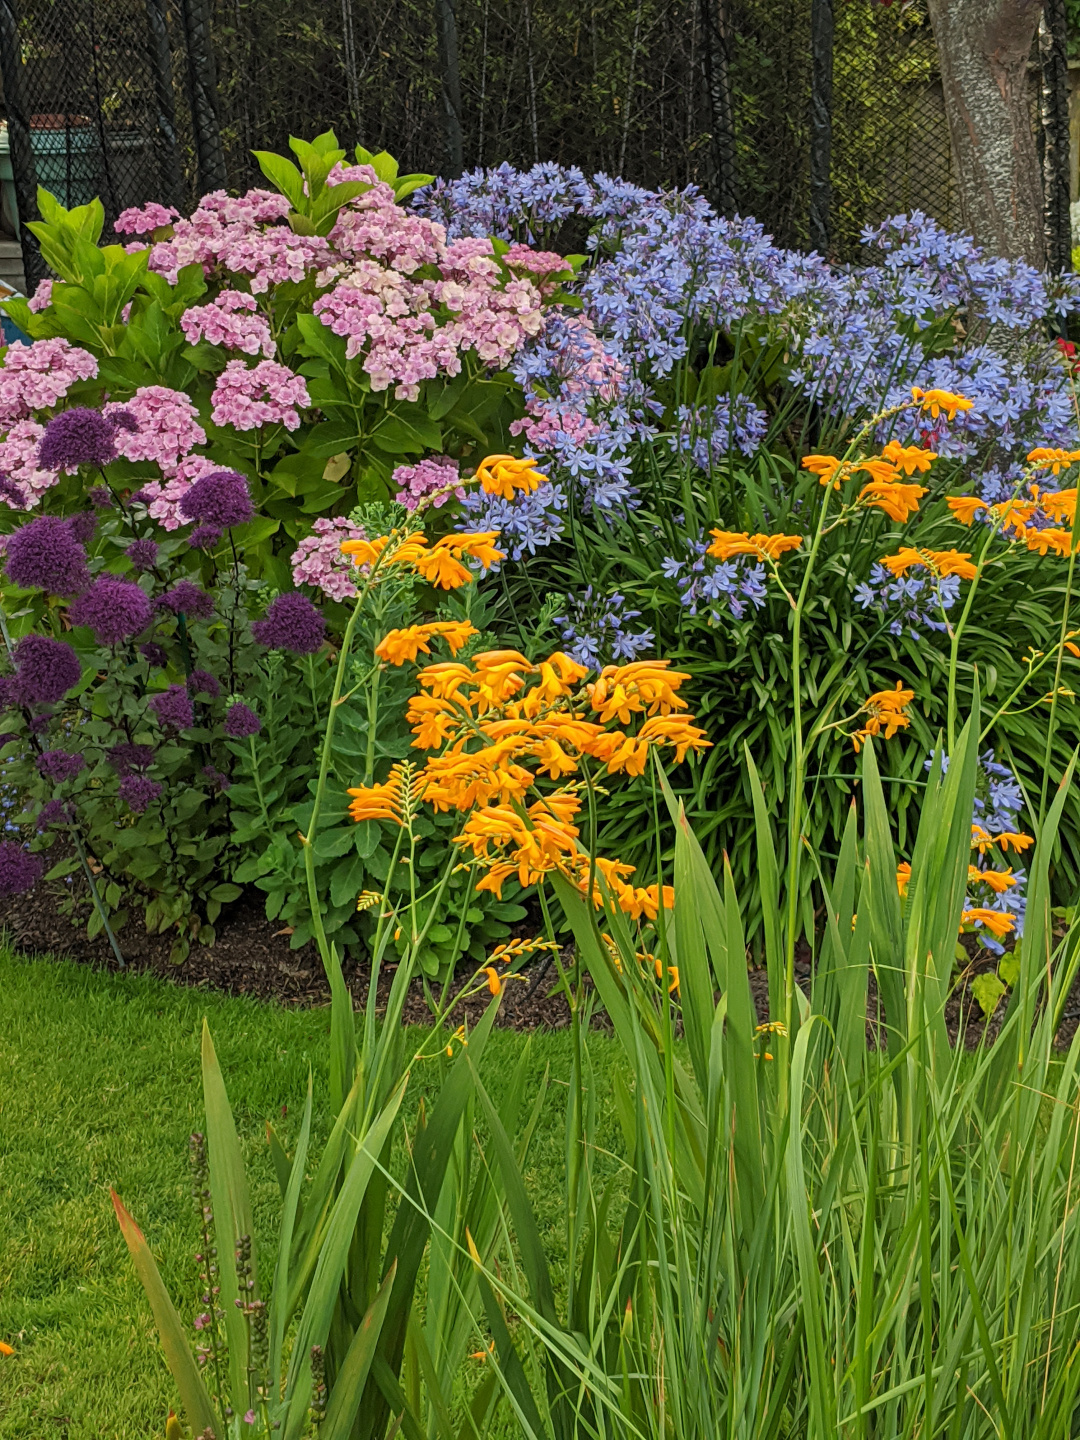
(162, 498)
(232, 321)
(423, 478)
(229, 232)
(537, 262)
(37, 376)
(168, 426)
(41, 298)
(144, 219)
(265, 394)
(318, 560)
(19, 461)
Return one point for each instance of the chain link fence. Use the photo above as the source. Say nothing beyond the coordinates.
(817, 116)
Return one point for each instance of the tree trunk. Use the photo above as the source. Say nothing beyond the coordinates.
(983, 50)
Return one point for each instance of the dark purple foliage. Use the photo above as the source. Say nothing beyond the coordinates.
(45, 555)
(187, 599)
(114, 609)
(201, 682)
(45, 670)
(220, 498)
(59, 765)
(142, 554)
(291, 623)
(77, 437)
(172, 707)
(139, 791)
(127, 758)
(19, 870)
(241, 721)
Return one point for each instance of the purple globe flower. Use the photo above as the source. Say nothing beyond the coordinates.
(39, 724)
(155, 654)
(201, 682)
(101, 497)
(53, 812)
(45, 670)
(11, 494)
(46, 555)
(77, 437)
(204, 537)
(138, 792)
(142, 554)
(83, 524)
(19, 870)
(59, 765)
(7, 693)
(241, 721)
(187, 599)
(114, 609)
(220, 498)
(172, 707)
(217, 779)
(124, 420)
(291, 623)
(128, 758)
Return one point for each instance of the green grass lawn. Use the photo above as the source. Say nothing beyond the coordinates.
(100, 1087)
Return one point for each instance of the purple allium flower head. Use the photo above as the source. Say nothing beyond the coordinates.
(75, 437)
(53, 812)
(201, 682)
(45, 670)
(39, 724)
(291, 623)
(220, 498)
(204, 537)
(172, 707)
(114, 609)
(11, 494)
(142, 554)
(187, 599)
(138, 792)
(101, 497)
(129, 759)
(7, 692)
(154, 654)
(141, 497)
(59, 765)
(124, 420)
(216, 778)
(83, 524)
(19, 870)
(241, 721)
(46, 555)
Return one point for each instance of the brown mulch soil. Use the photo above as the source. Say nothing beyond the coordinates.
(252, 956)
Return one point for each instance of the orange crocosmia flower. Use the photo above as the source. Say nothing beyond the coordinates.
(996, 921)
(620, 752)
(1051, 538)
(378, 802)
(558, 675)
(405, 551)
(432, 720)
(826, 467)
(1053, 459)
(966, 507)
(643, 901)
(909, 458)
(728, 543)
(553, 760)
(998, 880)
(401, 645)
(941, 562)
(494, 982)
(1011, 840)
(883, 471)
(1059, 504)
(503, 475)
(885, 714)
(903, 877)
(439, 568)
(563, 804)
(496, 877)
(479, 546)
(938, 401)
(896, 499)
(1073, 650)
(674, 730)
(623, 690)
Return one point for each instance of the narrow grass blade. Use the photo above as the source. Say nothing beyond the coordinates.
(279, 1298)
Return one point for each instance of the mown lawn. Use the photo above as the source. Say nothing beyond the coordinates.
(99, 1087)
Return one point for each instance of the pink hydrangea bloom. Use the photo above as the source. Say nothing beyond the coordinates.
(541, 263)
(241, 234)
(318, 560)
(19, 461)
(265, 394)
(232, 321)
(39, 375)
(143, 219)
(168, 426)
(41, 298)
(422, 479)
(163, 497)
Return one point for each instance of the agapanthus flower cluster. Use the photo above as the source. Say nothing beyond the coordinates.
(318, 560)
(595, 629)
(231, 320)
(433, 476)
(249, 397)
(733, 425)
(38, 376)
(500, 725)
(914, 601)
(709, 587)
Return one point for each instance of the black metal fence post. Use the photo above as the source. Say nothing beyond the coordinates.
(821, 99)
(202, 90)
(159, 53)
(716, 28)
(450, 65)
(1054, 113)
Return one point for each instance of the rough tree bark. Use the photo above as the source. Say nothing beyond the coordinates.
(983, 49)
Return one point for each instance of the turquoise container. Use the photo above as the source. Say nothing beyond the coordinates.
(65, 158)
